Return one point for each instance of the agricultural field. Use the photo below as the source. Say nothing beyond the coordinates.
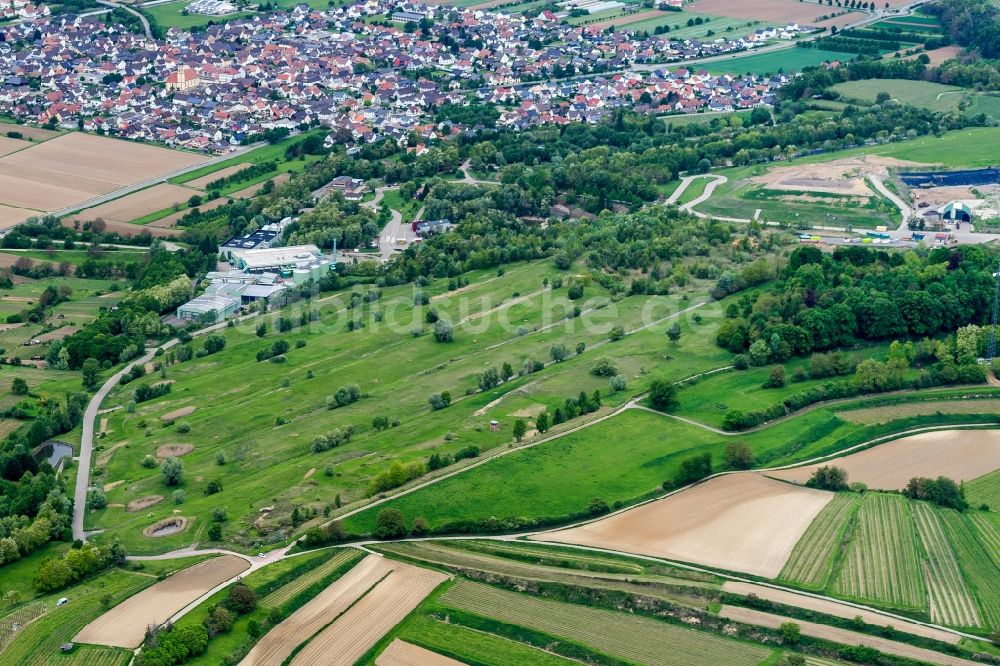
(286, 593)
(737, 522)
(138, 204)
(125, 625)
(950, 600)
(881, 562)
(979, 565)
(636, 639)
(984, 490)
(772, 62)
(812, 559)
(56, 174)
(958, 454)
(779, 12)
(925, 94)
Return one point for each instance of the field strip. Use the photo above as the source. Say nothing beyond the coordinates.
(980, 571)
(355, 632)
(811, 559)
(21, 617)
(881, 562)
(837, 609)
(635, 638)
(950, 600)
(290, 589)
(989, 533)
(401, 653)
(277, 644)
(844, 636)
(125, 625)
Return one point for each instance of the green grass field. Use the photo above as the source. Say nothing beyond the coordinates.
(881, 563)
(968, 148)
(783, 60)
(633, 638)
(979, 566)
(813, 559)
(984, 490)
(719, 26)
(950, 599)
(77, 257)
(925, 94)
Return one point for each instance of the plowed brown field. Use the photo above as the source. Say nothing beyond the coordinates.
(961, 455)
(401, 653)
(125, 624)
(737, 522)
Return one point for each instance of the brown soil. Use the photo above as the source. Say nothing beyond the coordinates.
(143, 503)
(178, 413)
(9, 145)
(174, 450)
(114, 484)
(137, 204)
(105, 456)
(11, 216)
(961, 455)
(125, 624)
(400, 653)
(842, 176)
(778, 12)
(630, 18)
(738, 522)
(309, 473)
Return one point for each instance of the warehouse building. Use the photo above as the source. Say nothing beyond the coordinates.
(209, 308)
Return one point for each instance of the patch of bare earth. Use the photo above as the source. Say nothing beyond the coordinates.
(961, 455)
(845, 636)
(178, 413)
(375, 614)
(166, 527)
(737, 522)
(114, 484)
(842, 176)
(143, 503)
(125, 624)
(174, 450)
(401, 653)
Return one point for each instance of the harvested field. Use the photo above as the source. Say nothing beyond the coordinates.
(778, 11)
(844, 636)
(58, 334)
(143, 503)
(29, 132)
(375, 614)
(11, 216)
(60, 172)
(125, 624)
(400, 653)
(286, 592)
(174, 450)
(276, 645)
(9, 145)
(737, 522)
(629, 18)
(887, 413)
(126, 229)
(137, 204)
(836, 609)
(950, 599)
(938, 56)
(881, 562)
(202, 183)
(633, 638)
(961, 455)
(178, 413)
(171, 220)
(812, 559)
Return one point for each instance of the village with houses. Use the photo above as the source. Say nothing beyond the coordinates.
(213, 89)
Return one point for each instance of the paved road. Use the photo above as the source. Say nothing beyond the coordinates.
(138, 15)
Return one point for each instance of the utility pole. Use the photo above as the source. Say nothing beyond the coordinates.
(991, 348)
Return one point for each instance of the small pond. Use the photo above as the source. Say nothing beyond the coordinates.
(53, 452)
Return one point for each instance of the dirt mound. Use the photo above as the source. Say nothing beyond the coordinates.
(174, 450)
(143, 503)
(166, 527)
(178, 413)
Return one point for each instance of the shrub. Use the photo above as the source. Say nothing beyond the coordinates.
(183, 427)
(443, 331)
(214, 343)
(172, 471)
(439, 400)
(149, 462)
(605, 367)
(619, 383)
(214, 486)
(738, 455)
(389, 524)
(179, 496)
(662, 394)
(829, 477)
(694, 469)
(776, 378)
(598, 506)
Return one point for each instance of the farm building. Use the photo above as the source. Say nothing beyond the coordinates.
(352, 189)
(956, 211)
(209, 307)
